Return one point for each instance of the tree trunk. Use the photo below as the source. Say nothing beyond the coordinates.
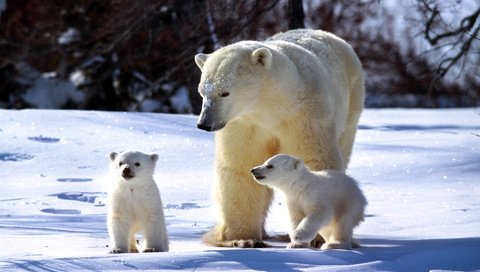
(296, 16)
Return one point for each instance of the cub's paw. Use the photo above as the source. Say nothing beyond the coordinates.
(337, 245)
(117, 251)
(250, 243)
(300, 236)
(148, 250)
(298, 245)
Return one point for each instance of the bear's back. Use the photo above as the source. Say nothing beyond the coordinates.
(322, 44)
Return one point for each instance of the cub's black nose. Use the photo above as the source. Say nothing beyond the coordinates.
(204, 127)
(126, 171)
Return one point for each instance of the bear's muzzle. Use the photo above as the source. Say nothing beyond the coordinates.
(127, 173)
(204, 127)
(256, 174)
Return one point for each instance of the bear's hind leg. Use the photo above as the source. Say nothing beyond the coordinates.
(355, 108)
(347, 138)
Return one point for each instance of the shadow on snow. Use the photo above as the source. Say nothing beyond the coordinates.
(377, 254)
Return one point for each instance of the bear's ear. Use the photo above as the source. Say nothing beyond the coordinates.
(113, 156)
(154, 157)
(200, 60)
(262, 56)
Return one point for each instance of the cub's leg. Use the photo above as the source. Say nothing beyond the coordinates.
(296, 216)
(119, 232)
(155, 238)
(340, 236)
(308, 228)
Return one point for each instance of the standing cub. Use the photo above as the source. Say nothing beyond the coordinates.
(329, 202)
(134, 204)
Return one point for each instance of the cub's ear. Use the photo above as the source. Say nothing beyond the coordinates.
(262, 56)
(154, 157)
(113, 156)
(200, 60)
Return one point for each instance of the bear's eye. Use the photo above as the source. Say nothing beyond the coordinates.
(137, 164)
(225, 94)
(269, 166)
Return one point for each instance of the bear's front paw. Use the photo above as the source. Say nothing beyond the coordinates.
(250, 243)
(317, 242)
(298, 245)
(147, 250)
(117, 251)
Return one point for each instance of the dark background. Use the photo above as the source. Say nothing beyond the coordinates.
(422, 54)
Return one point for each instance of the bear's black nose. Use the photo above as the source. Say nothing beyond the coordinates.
(126, 171)
(204, 127)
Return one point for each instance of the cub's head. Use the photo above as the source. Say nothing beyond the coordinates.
(232, 78)
(278, 169)
(131, 166)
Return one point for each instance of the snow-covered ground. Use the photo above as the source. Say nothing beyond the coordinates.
(418, 168)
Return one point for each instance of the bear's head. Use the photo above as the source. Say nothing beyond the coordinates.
(278, 169)
(231, 80)
(131, 166)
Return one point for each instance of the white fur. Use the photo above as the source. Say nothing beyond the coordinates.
(134, 204)
(328, 202)
(300, 92)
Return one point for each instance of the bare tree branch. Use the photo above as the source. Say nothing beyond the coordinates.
(465, 25)
(254, 14)
(446, 64)
(458, 39)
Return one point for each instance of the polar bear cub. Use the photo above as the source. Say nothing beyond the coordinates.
(134, 204)
(328, 202)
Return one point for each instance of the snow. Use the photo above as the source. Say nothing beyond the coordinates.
(207, 93)
(68, 37)
(418, 168)
(45, 90)
(150, 105)
(78, 78)
(180, 101)
(208, 88)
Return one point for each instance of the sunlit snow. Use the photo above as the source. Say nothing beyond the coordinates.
(419, 170)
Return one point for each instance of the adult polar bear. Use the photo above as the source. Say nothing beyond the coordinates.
(300, 92)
